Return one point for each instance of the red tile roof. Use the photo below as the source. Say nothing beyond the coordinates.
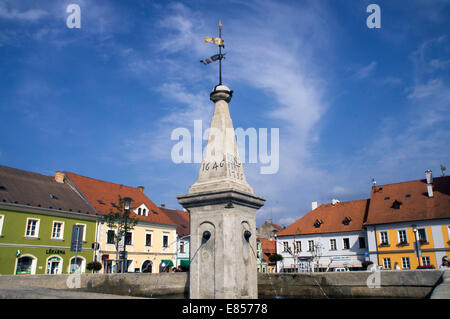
(102, 195)
(330, 219)
(180, 218)
(414, 201)
(268, 248)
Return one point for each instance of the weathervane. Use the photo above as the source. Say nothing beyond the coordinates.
(217, 41)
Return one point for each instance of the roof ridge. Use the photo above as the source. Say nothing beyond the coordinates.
(100, 180)
(413, 180)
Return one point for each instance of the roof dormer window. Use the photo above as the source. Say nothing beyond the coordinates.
(396, 204)
(317, 223)
(347, 220)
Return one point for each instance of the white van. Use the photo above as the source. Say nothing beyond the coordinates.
(340, 269)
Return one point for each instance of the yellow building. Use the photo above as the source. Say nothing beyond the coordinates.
(408, 224)
(151, 244)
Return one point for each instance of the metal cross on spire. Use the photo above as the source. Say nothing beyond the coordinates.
(217, 41)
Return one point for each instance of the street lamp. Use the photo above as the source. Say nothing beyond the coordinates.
(417, 244)
(126, 204)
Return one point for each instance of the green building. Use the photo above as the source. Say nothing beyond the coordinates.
(261, 263)
(37, 215)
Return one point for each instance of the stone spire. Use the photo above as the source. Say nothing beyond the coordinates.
(221, 167)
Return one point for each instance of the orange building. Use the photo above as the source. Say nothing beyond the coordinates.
(408, 223)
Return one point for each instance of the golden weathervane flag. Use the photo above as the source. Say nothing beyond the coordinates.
(216, 41)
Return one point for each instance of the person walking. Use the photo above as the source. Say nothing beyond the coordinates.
(445, 263)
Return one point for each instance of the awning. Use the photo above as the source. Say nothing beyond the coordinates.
(184, 262)
(168, 263)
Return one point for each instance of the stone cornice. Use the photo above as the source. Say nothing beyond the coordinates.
(226, 196)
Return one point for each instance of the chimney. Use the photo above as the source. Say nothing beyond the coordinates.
(59, 177)
(334, 201)
(141, 189)
(163, 205)
(314, 205)
(429, 177)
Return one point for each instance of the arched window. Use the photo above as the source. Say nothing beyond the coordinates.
(147, 266)
(144, 212)
(54, 265)
(139, 211)
(78, 266)
(25, 265)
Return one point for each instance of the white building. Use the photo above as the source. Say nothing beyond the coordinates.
(329, 238)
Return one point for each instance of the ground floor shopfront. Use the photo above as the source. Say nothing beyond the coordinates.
(323, 264)
(26, 260)
(137, 262)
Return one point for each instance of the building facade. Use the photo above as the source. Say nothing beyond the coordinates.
(151, 244)
(181, 219)
(37, 215)
(408, 224)
(329, 238)
(261, 262)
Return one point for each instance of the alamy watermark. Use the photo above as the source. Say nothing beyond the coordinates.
(260, 148)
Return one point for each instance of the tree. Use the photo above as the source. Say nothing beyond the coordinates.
(121, 220)
(94, 266)
(275, 258)
(443, 168)
(316, 253)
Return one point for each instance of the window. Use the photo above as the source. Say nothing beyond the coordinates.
(25, 265)
(426, 261)
(165, 241)
(347, 221)
(84, 231)
(182, 247)
(384, 238)
(144, 212)
(128, 238)
(402, 238)
(32, 229)
(422, 235)
(333, 244)
(387, 263)
(298, 246)
(2, 218)
(362, 242)
(285, 246)
(405, 263)
(58, 230)
(396, 204)
(139, 211)
(110, 237)
(148, 239)
(346, 242)
(310, 245)
(53, 265)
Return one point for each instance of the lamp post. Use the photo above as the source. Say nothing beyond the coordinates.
(127, 202)
(417, 244)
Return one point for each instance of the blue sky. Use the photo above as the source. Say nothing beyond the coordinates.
(351, 103)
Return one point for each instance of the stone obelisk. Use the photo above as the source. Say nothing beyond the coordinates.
(222, 210)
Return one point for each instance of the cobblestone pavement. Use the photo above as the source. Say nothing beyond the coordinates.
(47, 293)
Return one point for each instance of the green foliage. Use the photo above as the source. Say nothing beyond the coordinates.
(275, 257)
(121, 220)
(443, 168)
(94, 266)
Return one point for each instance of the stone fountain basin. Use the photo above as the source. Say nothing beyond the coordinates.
(393, 284)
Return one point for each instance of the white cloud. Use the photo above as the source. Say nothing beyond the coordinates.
(30, 15)
(365, 71)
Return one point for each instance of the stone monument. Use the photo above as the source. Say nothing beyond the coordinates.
(222, 210)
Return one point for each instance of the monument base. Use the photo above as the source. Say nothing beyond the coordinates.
(222, 244)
